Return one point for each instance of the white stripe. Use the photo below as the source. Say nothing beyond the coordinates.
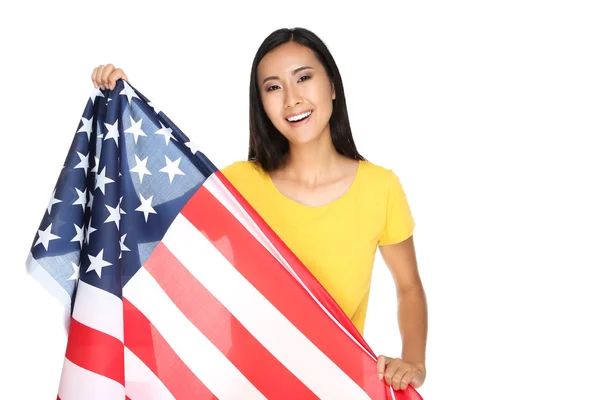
(214, 185)
(77, 383)
(40, 274)
(258, 315)
(215, 371)
(99, 310)
(140, 381)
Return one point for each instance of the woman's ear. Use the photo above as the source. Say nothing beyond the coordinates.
(333, 89)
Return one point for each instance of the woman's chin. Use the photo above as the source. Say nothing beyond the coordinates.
(303, 138)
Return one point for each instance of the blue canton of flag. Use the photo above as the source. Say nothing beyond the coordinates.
(126, 176)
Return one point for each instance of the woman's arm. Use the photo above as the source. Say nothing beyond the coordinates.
(412, 306)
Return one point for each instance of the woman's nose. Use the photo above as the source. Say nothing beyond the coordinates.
(292, 97)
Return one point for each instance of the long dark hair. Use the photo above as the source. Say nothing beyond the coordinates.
(268, 147)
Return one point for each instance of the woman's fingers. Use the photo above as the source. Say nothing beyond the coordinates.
(391, 370)
(106, 73)
(94, 77)
(400, 379)
(382, 361)
(398, 373)
(97, 75)
(106, 76)
(114, 77)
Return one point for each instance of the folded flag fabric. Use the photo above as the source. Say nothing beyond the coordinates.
(173, 286)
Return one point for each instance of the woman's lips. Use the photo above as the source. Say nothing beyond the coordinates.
(301, 122)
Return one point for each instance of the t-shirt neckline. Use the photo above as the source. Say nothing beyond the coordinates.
(341, 198)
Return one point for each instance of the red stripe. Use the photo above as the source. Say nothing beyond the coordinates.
(207, 314)
(95, 351)
(265, 273)
(142, 338)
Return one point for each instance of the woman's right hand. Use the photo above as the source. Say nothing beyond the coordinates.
(106, 76)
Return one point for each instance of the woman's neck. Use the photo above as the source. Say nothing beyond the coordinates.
(311, 163)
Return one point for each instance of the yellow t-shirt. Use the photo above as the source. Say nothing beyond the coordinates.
(337, 241)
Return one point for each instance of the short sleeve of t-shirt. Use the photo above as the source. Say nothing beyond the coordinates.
(399, 223)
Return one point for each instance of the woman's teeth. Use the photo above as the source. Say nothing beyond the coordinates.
(299, 117)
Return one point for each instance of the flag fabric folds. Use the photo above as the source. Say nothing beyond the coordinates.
(173, 286)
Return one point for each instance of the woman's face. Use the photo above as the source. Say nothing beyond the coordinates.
(292, 82)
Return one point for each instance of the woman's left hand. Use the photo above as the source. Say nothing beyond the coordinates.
(399, 374)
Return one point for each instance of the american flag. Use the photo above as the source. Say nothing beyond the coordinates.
(173, 286)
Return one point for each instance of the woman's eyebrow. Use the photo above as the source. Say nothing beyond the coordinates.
(293, 73)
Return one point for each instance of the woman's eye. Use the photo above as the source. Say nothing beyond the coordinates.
(273, 87)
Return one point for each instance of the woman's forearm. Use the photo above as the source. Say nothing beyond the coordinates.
(412, 321)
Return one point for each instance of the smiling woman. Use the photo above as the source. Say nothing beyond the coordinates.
(329, 205)
(306, 178)
(290, 78)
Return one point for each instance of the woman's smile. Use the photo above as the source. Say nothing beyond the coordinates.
(305, 118)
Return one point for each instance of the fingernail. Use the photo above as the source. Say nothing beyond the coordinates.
(380, 376)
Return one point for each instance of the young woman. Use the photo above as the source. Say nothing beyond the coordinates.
(333, 208)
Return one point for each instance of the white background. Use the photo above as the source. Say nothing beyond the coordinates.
(488, 112)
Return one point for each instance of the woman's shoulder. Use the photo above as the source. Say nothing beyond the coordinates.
(243, 173)
(377, 174)
(380, 182)
(241, 167)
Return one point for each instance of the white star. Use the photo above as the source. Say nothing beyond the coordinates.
(89, 231)
(146, 207)
(80, 199)
(45, 237)
(166, 132)
(96, 163)
(123, 247)
(91, 201)
(87, 126)
(96, 92)
(135, 129)
(75, 275)
(129, 92)
(140, 167)
(79, 236)
(113, 132)
(84, 162)
(193, 148)
(97, 263)
(102, 180)
(52, 202)
(156, 109)
(172, 168)
(114, 216)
